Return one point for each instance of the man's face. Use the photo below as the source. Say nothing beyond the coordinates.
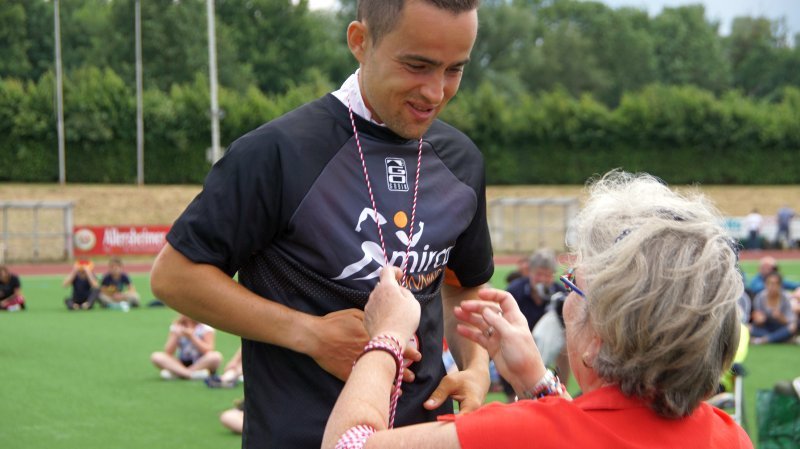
(416, 68)
(766, 266)
(541, 275)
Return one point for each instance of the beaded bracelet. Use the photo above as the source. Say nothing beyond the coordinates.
(549, 385)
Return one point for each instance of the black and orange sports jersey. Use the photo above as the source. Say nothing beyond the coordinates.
(287, 208)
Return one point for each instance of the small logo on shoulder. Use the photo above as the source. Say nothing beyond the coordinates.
(396, 174)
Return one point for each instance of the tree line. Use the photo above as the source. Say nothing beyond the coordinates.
(556, 90)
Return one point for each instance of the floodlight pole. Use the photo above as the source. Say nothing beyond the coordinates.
(139, 106)
(212, 75)
(62, 171)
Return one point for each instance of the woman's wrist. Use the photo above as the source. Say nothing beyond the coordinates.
(548, 385)
(528, 376)
(395, 338)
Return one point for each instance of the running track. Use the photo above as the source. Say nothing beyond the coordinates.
(64, 268)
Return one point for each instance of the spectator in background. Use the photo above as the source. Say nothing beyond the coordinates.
(549, 336)
(753, 223)
(11, 298)
(85, 287)
(796, 310)
(533, 291)
(189, 351)
(774, 321)
(233, 418)
(784, 218)
(116, 287)
(521, 271)
(231, 375)
(767, 266)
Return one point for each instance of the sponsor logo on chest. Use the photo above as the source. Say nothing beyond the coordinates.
(396, 174)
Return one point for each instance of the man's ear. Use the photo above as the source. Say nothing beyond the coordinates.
(357, 37)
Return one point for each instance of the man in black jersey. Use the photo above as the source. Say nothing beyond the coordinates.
(289, 208)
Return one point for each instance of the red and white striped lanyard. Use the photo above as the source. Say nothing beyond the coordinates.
(403, 281)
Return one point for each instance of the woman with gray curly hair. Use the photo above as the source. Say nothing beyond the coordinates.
(651, 323)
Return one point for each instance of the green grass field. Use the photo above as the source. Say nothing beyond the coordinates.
(84, 380)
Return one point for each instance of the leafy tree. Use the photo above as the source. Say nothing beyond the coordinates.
(13, 40)
(761, 60)
(504, 49)
(84, 32)
(689, 49)
(276, 39)
(173, 41)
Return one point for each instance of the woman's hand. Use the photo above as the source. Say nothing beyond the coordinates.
(391, 309)
(496, 323)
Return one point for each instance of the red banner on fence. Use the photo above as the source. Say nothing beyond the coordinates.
(100, 240)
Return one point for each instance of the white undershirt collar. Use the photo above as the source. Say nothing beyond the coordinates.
(351, 91)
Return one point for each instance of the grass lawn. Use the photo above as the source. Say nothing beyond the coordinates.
(84, 380)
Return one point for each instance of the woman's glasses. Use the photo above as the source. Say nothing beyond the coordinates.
(568, 279)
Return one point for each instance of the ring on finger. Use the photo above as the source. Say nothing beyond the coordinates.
(490, 331)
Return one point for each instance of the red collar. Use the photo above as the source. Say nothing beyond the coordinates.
(608, 398)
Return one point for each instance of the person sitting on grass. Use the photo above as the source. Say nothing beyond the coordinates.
(189, 351)
(233, 418)
(767, 265)
(774, 321)
(231, 375)
(85, 287)
(116, 287)
(651, 323)
(11, 298)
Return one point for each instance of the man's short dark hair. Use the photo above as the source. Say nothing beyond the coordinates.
(381, 16)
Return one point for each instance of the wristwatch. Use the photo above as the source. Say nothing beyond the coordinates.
(549, 385)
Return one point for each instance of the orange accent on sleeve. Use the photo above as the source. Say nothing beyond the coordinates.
(450, 278)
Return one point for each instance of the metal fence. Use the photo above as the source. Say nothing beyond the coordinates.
(522, 225)
(36, 231)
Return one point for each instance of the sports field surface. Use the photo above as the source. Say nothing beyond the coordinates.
(84, 380)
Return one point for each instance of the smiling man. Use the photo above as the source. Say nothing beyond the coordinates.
(309, 207)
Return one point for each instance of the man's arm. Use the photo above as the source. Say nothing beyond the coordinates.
(470, 384)
(207, 294)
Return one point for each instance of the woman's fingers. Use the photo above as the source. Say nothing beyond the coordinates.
(473, 334)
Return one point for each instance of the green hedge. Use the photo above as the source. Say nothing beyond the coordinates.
(683, 134)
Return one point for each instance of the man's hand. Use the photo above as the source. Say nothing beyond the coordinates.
(340, 338)
(468, 387)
